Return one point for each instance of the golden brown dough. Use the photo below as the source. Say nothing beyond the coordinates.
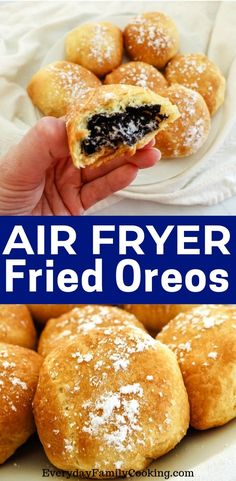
(152, 38)
(137, 73)
(42, 312)
(16, 325)
(155, 316)
(19, 369)
(204, 340)
(197, 72)
(97, 46)
(114, 120)
(110, 401)
(190, 131)
(82, 320)
(53, 88)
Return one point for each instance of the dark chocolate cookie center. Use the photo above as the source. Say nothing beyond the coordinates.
(121, 128)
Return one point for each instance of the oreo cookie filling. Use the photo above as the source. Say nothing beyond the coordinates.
(126, 127)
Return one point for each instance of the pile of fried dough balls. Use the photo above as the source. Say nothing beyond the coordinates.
(101, 391)
(94, 53)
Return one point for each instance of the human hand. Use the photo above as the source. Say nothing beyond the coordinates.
(38, 178)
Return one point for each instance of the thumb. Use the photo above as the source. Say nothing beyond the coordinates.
(43, 145)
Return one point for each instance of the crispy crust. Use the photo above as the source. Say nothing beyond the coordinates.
(19, 369)
(109, 99)
(190, 131)
(155, 316)
(54, 87)
(204, 340)
(43, 312)
(82, 320)
(97, 46)
(16, 325)
(152, 38)
(137, 73)
(92, 412)
(197, 72)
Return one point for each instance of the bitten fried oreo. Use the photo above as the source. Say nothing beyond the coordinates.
(82, 320)
(113, 120)
(53, 88)
(190, 131)
(152, 38)
(97, 46)
(196, 71)
(110, 401)
(19, 370)
(137, 73)
(204, 341)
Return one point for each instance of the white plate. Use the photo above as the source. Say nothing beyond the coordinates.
(209, 454)
(164, 170)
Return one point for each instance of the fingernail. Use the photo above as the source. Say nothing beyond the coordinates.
(157, 153)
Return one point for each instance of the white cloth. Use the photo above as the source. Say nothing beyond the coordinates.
(28, 30)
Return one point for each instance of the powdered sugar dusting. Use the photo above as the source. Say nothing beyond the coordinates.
(68, 446)
(188, 133)
(132, 389)
(213, 355)
(190, 66)
(69, 80)
(196, 72)
(113, 402)
(185, 346)
(209, 322)
(83, 320)
(15, 381)
(118, 411)
(196, 324)
(138, 73)
(101, 44)
(121, 364)
(199, 319)
(82, 358)
(149, 33)
(12, 386)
